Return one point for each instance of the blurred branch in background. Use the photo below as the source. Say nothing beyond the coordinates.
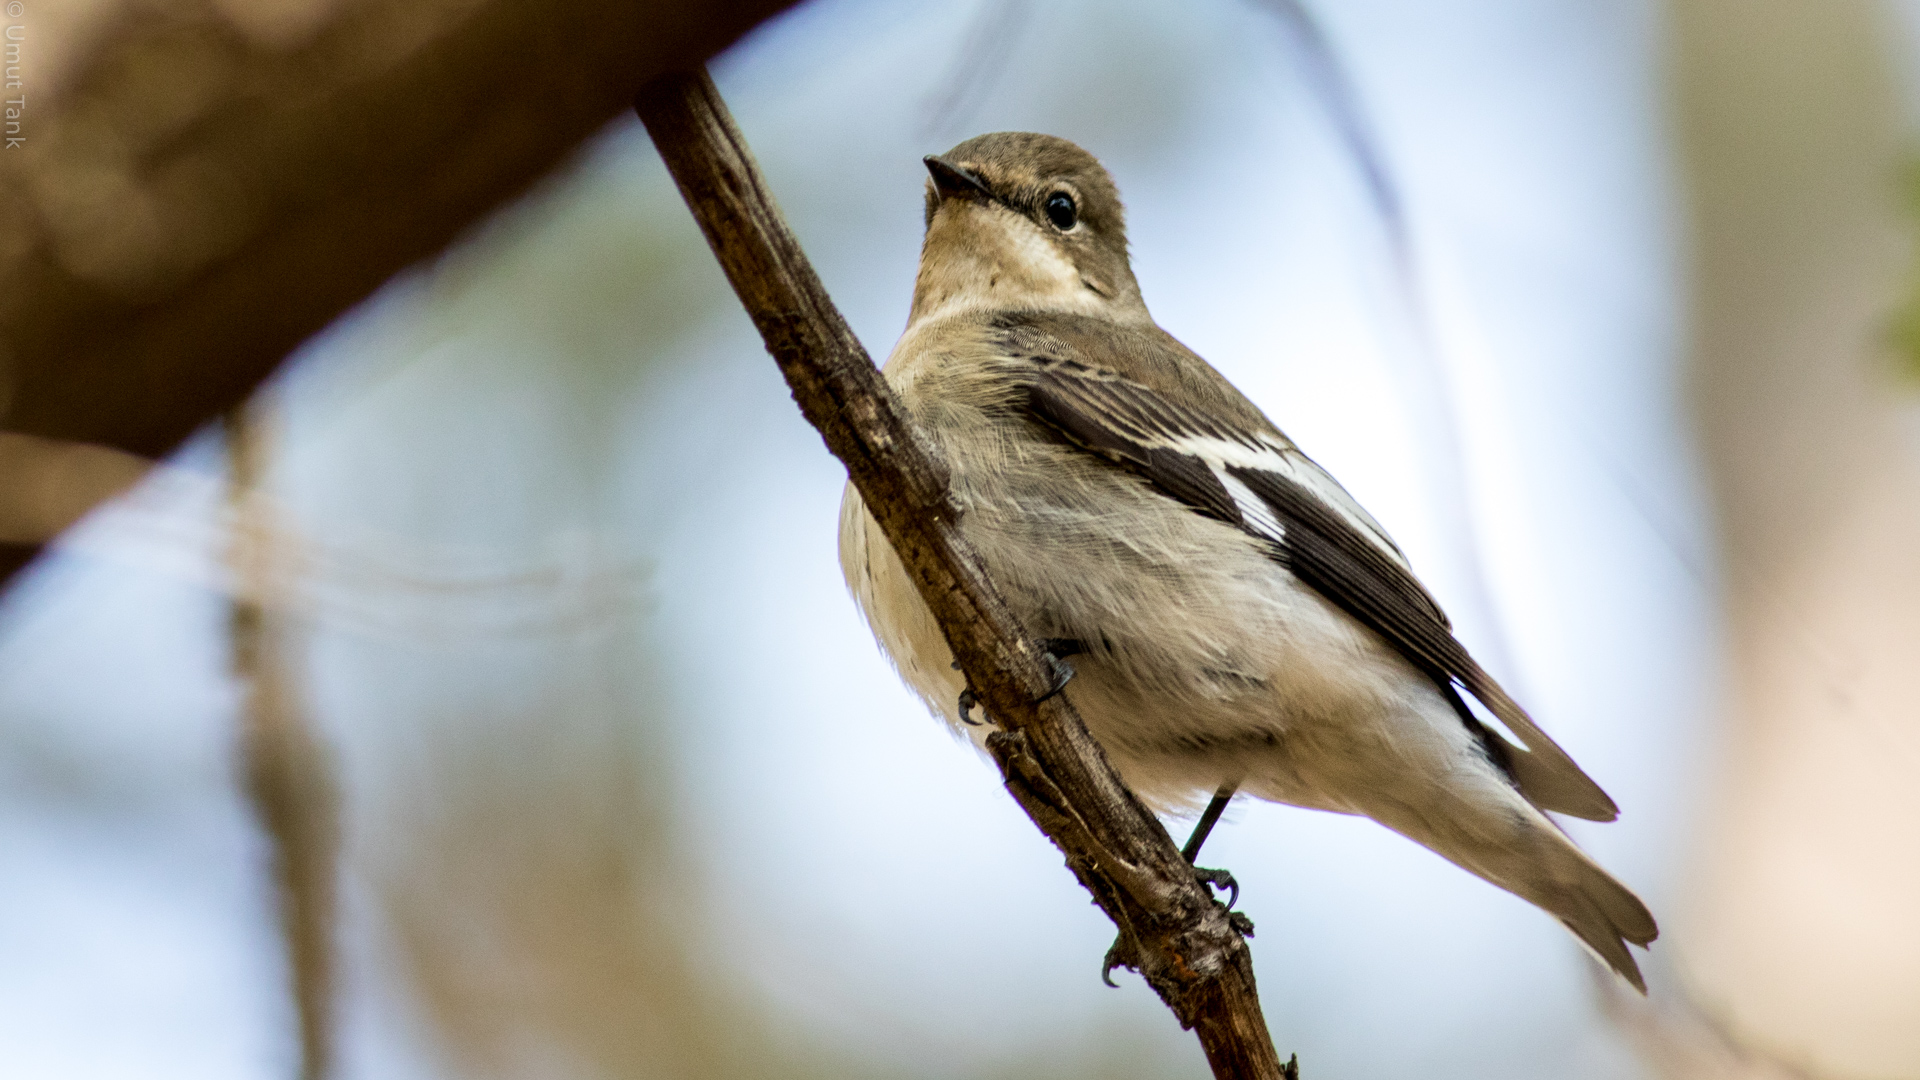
(1339, 98)
(48, 484)
(540, 909)
(288, 771)
(546, 916)
(990, 41)
(1171, 929)
(1424, 380)
(204, 184)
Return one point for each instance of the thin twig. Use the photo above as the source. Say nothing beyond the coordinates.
(1171, 929)
(288, 779)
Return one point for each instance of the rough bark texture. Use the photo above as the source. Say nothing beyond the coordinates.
(200, 185)
(1171, 928)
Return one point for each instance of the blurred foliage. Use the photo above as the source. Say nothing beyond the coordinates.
(1903, 329)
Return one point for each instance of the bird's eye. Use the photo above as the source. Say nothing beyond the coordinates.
(1061, 211)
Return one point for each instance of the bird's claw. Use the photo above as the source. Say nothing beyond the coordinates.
(1056, 650)
(1062, 675)
(1118, 955)
(1220, 879)
(967, 702)
(1053, 649)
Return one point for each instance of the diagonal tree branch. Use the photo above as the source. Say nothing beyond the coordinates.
(1171, 929)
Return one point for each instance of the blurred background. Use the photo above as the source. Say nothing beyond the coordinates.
(484, 700)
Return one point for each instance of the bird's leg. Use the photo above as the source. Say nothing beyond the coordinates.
(1121, 954)
(1218, 879)
(1208, 819)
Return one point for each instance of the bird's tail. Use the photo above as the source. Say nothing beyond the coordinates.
(1499, 836)
(1602, 913)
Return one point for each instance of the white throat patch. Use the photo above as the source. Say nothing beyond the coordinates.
(989, 257)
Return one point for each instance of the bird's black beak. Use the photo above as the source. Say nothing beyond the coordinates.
(953, 181)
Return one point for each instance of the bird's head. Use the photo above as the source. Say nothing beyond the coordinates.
(1018, 221)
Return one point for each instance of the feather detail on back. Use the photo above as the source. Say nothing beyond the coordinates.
(1232, 464)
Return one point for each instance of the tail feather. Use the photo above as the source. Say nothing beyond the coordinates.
(1605, 931)
(1487, 827)
(1603, 914)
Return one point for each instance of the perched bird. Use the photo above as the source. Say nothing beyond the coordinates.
(1236, 621)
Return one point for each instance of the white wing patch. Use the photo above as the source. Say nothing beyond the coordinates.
(1125, 419)
(1265, 454)
(1256, 516)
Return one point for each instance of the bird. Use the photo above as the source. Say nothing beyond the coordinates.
(1233, 621)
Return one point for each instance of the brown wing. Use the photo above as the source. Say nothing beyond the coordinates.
(1314, 528)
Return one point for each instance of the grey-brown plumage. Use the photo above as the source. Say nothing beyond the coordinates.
(1243, 621)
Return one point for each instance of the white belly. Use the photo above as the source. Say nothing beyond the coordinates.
(1218, 668)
